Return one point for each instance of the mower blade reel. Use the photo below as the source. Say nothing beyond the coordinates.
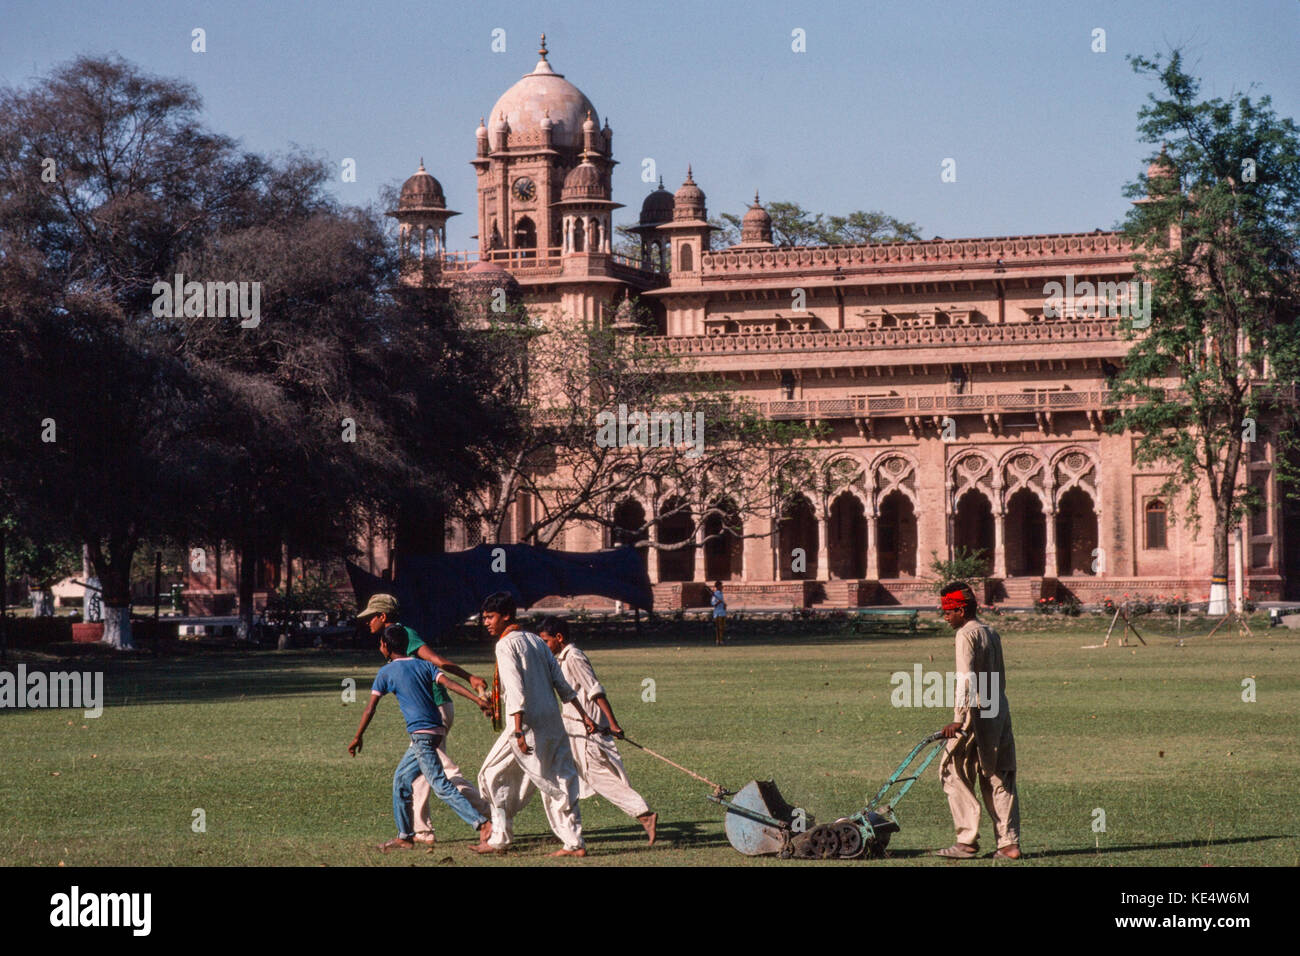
(752, 837)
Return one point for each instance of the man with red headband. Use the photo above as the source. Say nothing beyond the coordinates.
(983, 750)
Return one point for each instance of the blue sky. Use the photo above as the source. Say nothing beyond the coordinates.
(1042, 128)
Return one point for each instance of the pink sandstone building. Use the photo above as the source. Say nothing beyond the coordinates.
(970, 411)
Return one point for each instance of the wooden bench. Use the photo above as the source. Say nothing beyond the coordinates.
(883, 619)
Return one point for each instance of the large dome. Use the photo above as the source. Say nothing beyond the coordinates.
(543, 90)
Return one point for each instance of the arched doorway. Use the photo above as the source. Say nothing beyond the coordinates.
(896, 537)
(1076, 533)
(1026, 536)
(798, 529)
(973, 525)
(675, 526)
(724, 554)
(525, 235)
(847, 544)
(629, 525)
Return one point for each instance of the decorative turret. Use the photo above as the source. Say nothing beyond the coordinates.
(689, 230)
(422, 216)
(486, 290)
(756, 227)
(585, 209)
(656, 210)
(688, 203)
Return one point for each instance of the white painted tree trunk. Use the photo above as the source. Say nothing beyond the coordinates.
(1218, 600)
(42, 603)
(117, 628)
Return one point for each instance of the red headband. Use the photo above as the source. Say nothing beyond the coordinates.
(954, 600)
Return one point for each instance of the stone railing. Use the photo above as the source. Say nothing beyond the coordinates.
(1091, 330)
(894, 405)
(525, 262)
(1021, 249)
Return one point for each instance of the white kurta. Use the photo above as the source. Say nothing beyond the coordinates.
(600, 765)
(530, 678)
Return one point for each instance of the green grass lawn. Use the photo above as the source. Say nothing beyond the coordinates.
(1157, 736)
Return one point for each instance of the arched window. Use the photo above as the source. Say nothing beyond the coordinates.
(1156, 515)
(525, 234)
(684, 258)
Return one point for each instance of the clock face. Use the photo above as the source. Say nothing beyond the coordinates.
(524, 189)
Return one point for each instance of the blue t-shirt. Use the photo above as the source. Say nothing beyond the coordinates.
(411, 680)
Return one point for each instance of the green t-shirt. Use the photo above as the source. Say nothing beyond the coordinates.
(413, 645)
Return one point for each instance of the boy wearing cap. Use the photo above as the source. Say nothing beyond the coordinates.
(600, 765)
(383, 611)
(412, 681)
(983, 749)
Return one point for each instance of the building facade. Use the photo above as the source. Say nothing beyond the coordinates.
(966, 404)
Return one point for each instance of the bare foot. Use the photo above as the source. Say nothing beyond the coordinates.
(486, 848)
(1009, 852)
(578, 852)
(397, 843)
(649, 821)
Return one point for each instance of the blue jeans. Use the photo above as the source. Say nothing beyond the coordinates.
(422, 758)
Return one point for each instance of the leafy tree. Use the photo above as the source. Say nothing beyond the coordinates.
(792, 225)
(106, 175)
(561, 462)
(43, 563)
(1217, 228)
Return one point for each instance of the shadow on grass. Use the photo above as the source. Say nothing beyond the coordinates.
(224, 676)
(1106, 851)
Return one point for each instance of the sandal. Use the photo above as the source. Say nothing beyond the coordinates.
(999, 855)
(397, 843)
(958, 851)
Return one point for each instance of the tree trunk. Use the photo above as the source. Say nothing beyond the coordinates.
(114, 571)
(247, 577)
(1219, 566)
(117, 627)
(42, 602)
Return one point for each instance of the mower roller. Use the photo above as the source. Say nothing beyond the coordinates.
(759, 821)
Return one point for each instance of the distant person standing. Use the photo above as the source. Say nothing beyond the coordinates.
(719, 615)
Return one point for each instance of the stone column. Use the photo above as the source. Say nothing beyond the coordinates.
(1049, 558)
(1000, 544)
(873, 548)
(652, 562)
(823, 548)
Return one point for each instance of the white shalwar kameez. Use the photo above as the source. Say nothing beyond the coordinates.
(530, 678)
(600, 765)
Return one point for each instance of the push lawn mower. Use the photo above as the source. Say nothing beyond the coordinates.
(759, 821)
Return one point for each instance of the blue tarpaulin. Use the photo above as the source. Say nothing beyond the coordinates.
(439, 591)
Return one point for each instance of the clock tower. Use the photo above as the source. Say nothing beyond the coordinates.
(524, 151)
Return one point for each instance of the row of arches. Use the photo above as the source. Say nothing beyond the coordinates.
(869, 526)
(1035, 543)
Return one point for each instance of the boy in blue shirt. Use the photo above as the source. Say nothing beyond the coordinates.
(412, 681)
